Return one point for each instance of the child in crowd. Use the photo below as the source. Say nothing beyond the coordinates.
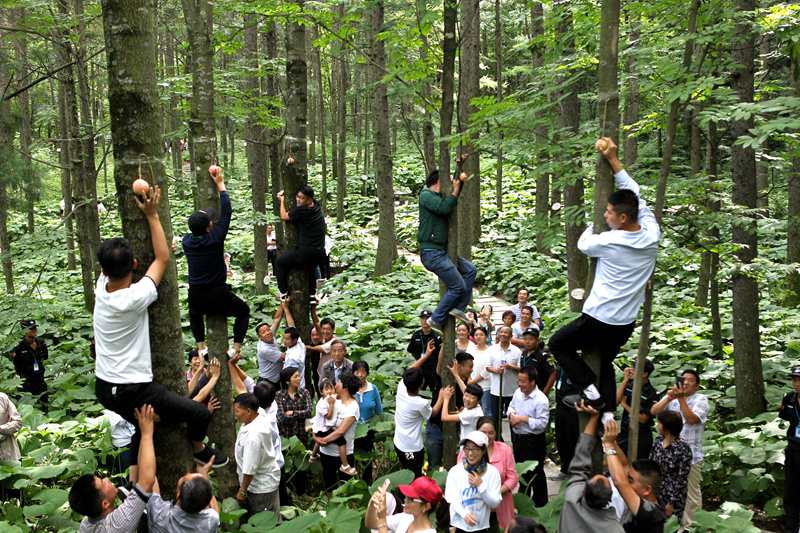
(325, 422)
(469, 414)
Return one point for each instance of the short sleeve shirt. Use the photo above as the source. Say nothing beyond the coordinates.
(409, 414)
(649, 519)
(122, 332)
(123, 519)
(296, 357)
(310, 224)
(400, 522)
(692, 434)
(344, 411)
(166, 517)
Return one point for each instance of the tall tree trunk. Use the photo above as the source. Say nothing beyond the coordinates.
(295, 175)
(312, 104)
(270, 37)
(317, 65)
(793, 211)
(340, 64)
(570, 117)
(175, 129)
(630, 116)
(746, 335)
(198, 15)
(661, 193)
(469, 207)
(713, 205)
(542, 178)
(256, 151)
(30, 182)
(498, 75)
(387, 246)
(129, 28)
(64, 162)
(7, 128)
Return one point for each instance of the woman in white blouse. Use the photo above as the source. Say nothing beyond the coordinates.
(473, 486)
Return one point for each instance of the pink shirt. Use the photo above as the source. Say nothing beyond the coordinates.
(502, 458)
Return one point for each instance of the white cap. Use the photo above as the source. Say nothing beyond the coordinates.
(478, 437)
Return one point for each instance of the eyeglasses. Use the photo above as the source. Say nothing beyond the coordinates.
(472, 449)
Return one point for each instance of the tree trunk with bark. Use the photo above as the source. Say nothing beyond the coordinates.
(498, 75)
(340, 66)
(793, 210)
(134, 106)
(630, 150)
(543, 178)
(317, 66)
(7, 128)
(270, 38)
(713, 205)
(30, 182)
(387, 245)
(749, 377)
(64, 162)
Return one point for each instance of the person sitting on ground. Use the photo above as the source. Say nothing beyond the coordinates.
(427, 358)
(524, 323)
(534, 354)
(195, 508)
(638, 485)
(324, 423)
(256, 459)
(522, 302)
(501, 456)
(309, 250)
(504, 366)
(95, 497)
(28, 358)
(473, 486)
(270, 357)
(508, 319)
(422, 496)
(649, 397)
(337, 365)
(411, 410)
(123, 366)
(674, 458)
(434, 219)
(587, 498)
(479, 375)
(10, 423)
(209, 292)
(626, 257)
(468, 416)
(294, 405)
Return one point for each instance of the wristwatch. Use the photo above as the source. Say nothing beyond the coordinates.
(609, 451)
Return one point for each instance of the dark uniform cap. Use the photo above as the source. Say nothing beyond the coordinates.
(795, 372)
(28, 324)
(425, 314)
(531, 331)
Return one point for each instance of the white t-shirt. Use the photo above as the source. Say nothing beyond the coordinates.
(272, 241)
(321, 422)
(469, 420)
(625, 261)
(482, 360)
(255, 456)
(343, 412)
(464, 498)
(122, 332)
(121, 430)
(296, 357)
(692, 434)
(400, 522)
(409, 414)
(510, 356)
(271, 419)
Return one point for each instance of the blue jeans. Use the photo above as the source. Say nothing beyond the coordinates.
(434, 445)
(459, 281)
(487, 405)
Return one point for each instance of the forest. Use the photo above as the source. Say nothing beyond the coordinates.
(361, 100)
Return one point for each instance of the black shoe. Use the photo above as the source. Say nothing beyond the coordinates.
(204, 456)
(572, 400)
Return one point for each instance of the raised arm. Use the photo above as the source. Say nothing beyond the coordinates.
(580, 468)
(213, 377)
(283, 213)
(616, 460)
(149, 206)
(220, 229)
(276, 320)
(288, 314)
(145, 415)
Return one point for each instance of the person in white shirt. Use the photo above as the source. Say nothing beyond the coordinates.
(693, 407)
(503, 367)
(473, 487)
(626, 257)
(523, 324)
(522, 302)
(272, 246)
(482, 355)
(422, 495)
(411, 410)
(123, 366)
(270, 358)
(468, 416)
(324, 423)
(122, 432)
(528, 416)
(295, 356)
(256, 459)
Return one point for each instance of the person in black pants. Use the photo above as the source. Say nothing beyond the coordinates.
(567, 430)
(309, 252)
(123, 363)
(790, 410)
(209, 292)
(28, 357)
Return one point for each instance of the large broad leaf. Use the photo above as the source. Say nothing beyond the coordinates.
(524, 504)
(401, 477)
(45, 471)
(301, 523)
(344, 519)
(5, 527)
(263, 521)
(50, 500)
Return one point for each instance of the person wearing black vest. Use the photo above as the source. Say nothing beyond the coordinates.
(309, 251)
(790, 410)
(28, 357)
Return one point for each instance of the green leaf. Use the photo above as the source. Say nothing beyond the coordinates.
(344, 519)
(400, 477)
(51, 500)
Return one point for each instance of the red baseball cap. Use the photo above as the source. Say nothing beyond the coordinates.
(423, 488)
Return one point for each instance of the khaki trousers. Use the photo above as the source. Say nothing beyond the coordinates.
(694, 498)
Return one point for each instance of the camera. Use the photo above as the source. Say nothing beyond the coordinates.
(679, 381)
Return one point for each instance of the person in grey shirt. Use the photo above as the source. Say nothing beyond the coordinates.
(195, 509)
(270, 357)
(587, 498)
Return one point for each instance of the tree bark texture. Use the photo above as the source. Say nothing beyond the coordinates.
(64, 162)
(7, 128)
(793, 211)
(630, 149)
(317, 65)
(341, 76)
(30, 182)
(270, 42)
(387, 245)
(136, 133)
(746, 335)
(542, 207)
(714, 205)
(498, 75)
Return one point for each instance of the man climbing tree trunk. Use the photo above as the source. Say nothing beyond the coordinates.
(746, 334)
(129, 28)
(387, 247)
(198, 15)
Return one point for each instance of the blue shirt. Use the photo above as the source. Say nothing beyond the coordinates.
(369, 403)
(204, 253)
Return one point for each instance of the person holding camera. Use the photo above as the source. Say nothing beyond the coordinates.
(683, 398)
(790, 410)
(626, 257)
(434, 214)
